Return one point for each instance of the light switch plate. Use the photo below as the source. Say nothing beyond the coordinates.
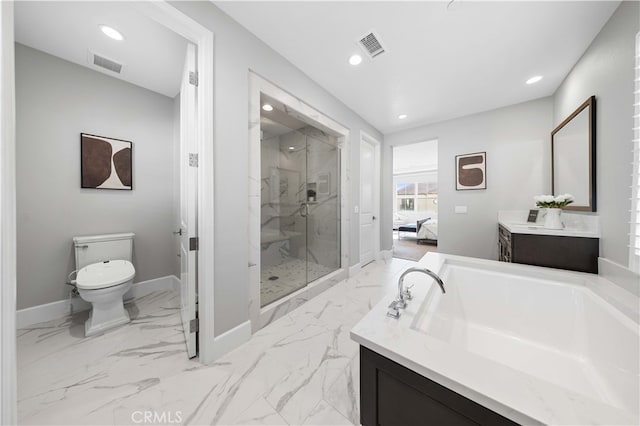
(461, 209)
(356, 209)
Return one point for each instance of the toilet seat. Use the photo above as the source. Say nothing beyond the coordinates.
(105, 274)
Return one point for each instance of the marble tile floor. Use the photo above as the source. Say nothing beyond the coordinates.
(292, 274)
(300, 370)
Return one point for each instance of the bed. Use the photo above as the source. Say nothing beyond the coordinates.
(427, 231)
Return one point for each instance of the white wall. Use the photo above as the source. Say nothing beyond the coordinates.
(606, 70)
(516, 140)
(236, 52)
(55, 102)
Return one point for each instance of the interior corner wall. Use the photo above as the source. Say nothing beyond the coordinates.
(57, 100)
(237, 52)
(606, 70)
(516, 142)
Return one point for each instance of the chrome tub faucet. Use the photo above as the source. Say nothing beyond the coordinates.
(404, 295)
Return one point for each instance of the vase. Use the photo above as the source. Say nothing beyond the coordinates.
(552, 219)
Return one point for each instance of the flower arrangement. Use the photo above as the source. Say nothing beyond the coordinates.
(551, 202)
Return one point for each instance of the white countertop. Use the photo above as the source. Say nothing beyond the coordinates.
(575, 224)
(509, 392)
(539, 229)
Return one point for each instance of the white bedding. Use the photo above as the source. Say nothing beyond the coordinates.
(428, 230)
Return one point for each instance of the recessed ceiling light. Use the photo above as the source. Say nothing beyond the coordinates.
(355, 59)
(402, 116)
(535, 79)
(111, 32)
(267, 107)
(291, 148)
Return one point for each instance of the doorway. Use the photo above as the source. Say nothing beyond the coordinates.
(415, 199)
(314, 183)
(300, 210)
(173, 19)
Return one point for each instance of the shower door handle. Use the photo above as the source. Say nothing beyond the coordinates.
(304, 209)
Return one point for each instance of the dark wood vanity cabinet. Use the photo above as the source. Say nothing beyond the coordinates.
(393, 395)
(571, 253)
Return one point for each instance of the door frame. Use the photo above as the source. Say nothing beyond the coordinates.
(367, 138)
(8, 362)
(172, 18)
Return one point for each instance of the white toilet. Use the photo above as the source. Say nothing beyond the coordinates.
(105, 274)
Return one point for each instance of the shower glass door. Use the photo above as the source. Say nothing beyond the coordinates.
(300, 215)
(323, 218)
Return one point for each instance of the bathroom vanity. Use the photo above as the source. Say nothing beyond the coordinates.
(574, 248)
(506, 344)
(391, 394)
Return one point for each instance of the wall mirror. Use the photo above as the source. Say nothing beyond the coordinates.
(573, 157)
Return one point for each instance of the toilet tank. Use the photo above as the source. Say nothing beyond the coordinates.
(98, 248)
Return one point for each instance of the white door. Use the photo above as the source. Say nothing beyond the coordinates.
(369, 196)
(188, 202)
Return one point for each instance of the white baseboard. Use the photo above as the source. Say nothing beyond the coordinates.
(386, 254)
(231, 339)
(353, 270)
(54, 310)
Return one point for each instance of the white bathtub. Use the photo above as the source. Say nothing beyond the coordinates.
(534, 344)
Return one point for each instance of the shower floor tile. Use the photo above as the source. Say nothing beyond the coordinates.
(280, 280)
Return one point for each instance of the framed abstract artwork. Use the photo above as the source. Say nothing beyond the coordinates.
(106, 163)
(471, 171)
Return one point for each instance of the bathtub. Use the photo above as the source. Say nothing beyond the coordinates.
(536, 345)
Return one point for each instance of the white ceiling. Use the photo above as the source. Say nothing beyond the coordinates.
(441, 63)
(152, 55)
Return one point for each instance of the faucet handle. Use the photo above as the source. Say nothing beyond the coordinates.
(393, 313)
(394, 310)
(406, 295)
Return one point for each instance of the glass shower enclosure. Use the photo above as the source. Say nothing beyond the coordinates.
(300, 209)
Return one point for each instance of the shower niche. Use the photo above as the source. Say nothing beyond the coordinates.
(300, 204)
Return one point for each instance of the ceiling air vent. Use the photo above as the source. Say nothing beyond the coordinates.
(105, 63)
(372, 44)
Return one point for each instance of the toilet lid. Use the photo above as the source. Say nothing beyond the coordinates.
(105, 274)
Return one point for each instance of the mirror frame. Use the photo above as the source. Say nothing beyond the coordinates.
(591, 105)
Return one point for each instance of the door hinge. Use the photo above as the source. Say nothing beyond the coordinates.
(193, 78)
(193, 243)
(194, 325)
(193, 159)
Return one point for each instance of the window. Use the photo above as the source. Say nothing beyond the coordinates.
(406, 204)
(634, 240)
(416, 194)
(405, 194)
